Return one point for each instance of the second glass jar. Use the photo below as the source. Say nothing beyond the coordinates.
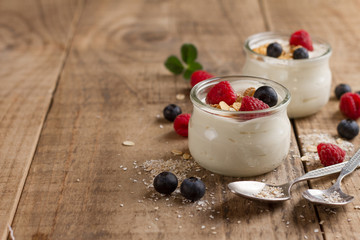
(308, 80)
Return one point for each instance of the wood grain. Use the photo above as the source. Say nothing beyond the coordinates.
(83, 184)
(338, 30)
(34, 39)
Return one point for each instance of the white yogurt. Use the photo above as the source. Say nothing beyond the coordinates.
(308, 80)
(239, 143)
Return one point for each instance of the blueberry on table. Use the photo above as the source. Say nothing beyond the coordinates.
(266, 94)
(274, 50)
(192, 188)
(165, 182)
(348, 129)
(301, 53)
(341, 89)
(171, 111)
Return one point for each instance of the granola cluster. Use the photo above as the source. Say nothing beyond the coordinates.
(237, 104)
(287, 52)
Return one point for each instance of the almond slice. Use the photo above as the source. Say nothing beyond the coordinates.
(249, 91)
(224, 106)
(236, 106)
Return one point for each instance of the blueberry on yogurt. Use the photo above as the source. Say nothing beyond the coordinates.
(301, 53)
(266, 94)
(274, 50)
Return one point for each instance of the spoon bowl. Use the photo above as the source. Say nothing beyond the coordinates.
(278, 193)
(261, 191)
(334, 196)
(329, 197)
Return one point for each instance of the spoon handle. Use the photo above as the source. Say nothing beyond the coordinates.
(351, 164)
(324, 171)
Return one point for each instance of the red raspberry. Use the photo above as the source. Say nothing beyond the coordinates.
(330, 154)
(251, 104)
(181, 124)
(199, 76)
(222, 91)
(302, 38)
(350, 105)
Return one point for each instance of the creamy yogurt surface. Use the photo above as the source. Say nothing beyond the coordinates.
(319, 49)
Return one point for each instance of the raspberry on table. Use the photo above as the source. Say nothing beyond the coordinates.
(198, 76)
(301, 37)
(222, 91)
(251, 104)
(181, 124)
(330, 154)
(350, 105)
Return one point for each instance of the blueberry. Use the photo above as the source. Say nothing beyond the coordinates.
(341, 89)
(274, 50)
(165, 182)
(301, 53)
(348, 129)
(266, 94)
(192, 188)
(171, 111)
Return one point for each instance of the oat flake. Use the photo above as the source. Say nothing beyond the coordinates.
(128, 143)
(180, 96)
(176, 152)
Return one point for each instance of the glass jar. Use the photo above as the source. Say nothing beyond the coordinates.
(241, 143)
(308, 80)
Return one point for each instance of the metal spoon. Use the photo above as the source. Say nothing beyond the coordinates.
(254, 189)
(334, 196)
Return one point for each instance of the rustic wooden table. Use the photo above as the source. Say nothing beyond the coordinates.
(80, 77)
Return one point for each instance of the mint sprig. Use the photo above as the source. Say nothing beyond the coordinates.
(174, 65)
(188, 55)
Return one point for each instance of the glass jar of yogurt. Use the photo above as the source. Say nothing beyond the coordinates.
(308, 80)
(241, 143)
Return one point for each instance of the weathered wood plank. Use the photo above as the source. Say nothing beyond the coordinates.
(34, 39)
(83, 184)
(333, 21)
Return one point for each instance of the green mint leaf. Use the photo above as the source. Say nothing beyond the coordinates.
(192, 67)
(188, 53)
(187, 74)
(174, 65)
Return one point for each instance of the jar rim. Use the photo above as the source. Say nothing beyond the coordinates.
(264, 35)
(232, 78)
